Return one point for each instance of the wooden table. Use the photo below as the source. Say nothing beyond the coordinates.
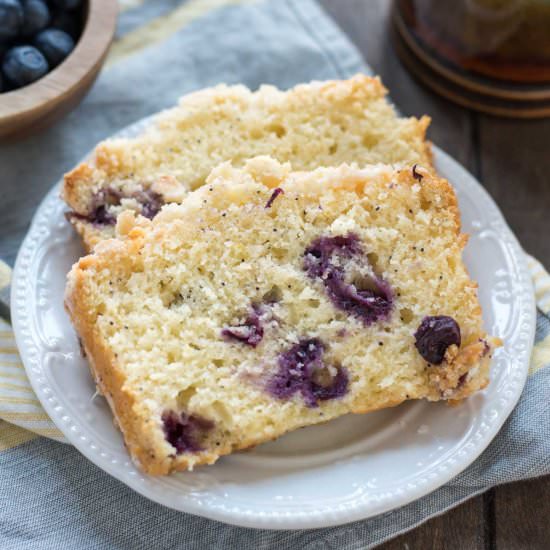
(512, 159)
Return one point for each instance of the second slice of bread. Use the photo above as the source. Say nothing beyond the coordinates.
(311, 125)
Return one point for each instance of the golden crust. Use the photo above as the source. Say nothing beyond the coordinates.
(80, 176)
(90, 234)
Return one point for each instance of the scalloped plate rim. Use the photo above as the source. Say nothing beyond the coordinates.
(278, 520)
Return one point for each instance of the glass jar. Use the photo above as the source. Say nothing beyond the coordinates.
(503, 39)
(488, 55)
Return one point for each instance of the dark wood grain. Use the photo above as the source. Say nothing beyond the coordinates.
(512, 159)
(515, 160)
(523, 512)
(461, 529)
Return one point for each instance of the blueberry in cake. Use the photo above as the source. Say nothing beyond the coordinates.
(270, 300)
(311, 125)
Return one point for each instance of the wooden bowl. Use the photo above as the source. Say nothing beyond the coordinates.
(39, 104)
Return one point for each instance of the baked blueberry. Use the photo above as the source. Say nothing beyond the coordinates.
(276, 192)
(416, 175)
(24, 64)
(367, 298)
(184, 432)
(11, 19)
(56, 45)
(102, 216)
(301, 370)
(250, 332)
(151, 202)
(434, 335)
(99, 214)
(36, 16)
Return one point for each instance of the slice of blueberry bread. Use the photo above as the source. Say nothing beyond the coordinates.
(311, 125)
(270, 300)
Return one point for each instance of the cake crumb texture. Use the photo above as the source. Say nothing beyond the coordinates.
(244, 313)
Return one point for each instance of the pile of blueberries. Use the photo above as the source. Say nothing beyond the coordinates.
(35, 37)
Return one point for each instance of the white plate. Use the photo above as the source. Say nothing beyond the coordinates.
(348, 469)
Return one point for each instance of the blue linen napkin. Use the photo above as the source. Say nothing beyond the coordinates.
(50, 496)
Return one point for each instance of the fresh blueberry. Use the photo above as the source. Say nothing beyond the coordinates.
(11, 19)
(4, 84)
(23, 65)
(368, 300)
(184, 431)
(66, 4)
(36, 16)
(56, 45)
(301, 370)
(434, 335)
(67, 22)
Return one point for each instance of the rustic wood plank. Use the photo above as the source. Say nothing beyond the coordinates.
(516, 163)
(462, 528)
(522, 512)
